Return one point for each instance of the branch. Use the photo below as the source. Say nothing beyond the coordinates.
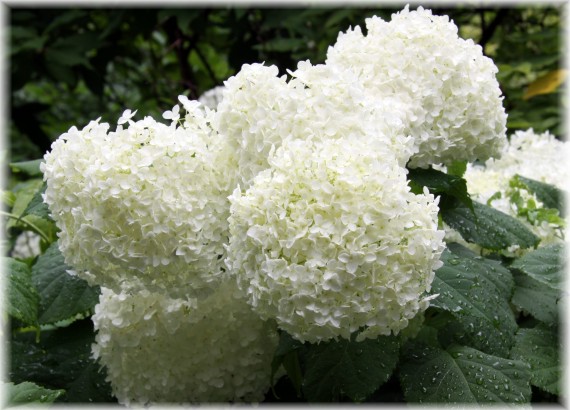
(205, 62)
(489, 30)
(176, 39)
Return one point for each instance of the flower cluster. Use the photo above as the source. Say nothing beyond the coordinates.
(540, 157)
(334, 104)
(141, 207)
(454, 102)
(278, 199)
(253, 116)
(162, 350)
(330, 240)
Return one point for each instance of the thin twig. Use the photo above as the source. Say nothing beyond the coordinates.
(31, 225)
(492, 27)
(176, 39)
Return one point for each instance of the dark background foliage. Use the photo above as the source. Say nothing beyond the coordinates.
(68, 66)
(72, 65)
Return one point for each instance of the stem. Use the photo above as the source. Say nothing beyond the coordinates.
(31, 225)
(176, 39)
(36, 329)
(205, 62)
(490, 29)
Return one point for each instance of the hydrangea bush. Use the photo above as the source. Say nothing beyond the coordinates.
(328, 231)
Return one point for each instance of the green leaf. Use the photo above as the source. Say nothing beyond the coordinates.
(65, 18)
(353, 369)
(493, 270)
(62, 360)
(8, 198)
(462, 375)
(37, 206)
(476, 292)
(286, 354)
(46, 228)
(549, 195)
(546, 265)
(26, 45)
(24, 193)
(22, 296)
(540, 348)
(62, 296)
(28, 393)
(457, 168)
(536, 298)
(489, 228)
(72, 50)
(29, 168)
(440, 183)
(292, 366)
(60, 71)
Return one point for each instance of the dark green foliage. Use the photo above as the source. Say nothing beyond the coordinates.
(489, 228)
(23, 297)
(538, 282)
(461, 374)
(69, 65)
(352, 369)
(61, 360)
(535, 298)
(63, 296)
(539, 346)
(549, 195)
(476, 293)
(337, 370)
(451, 188)
(37, 206)
(546, 265)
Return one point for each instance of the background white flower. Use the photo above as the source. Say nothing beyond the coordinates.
(330, 239)
(213, 97)
(540, 157)
(162, 350)
(27, 245)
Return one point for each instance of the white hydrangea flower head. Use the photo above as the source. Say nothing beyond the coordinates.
(213, 97)
(259, 110)
(329, 240)
(455, 104)
(252, 116)
(161, 350)
(540, 157)
(335, 105)
(144, 206)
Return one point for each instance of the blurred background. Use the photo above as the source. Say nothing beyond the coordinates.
(68, 66)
